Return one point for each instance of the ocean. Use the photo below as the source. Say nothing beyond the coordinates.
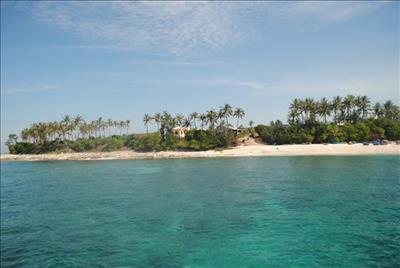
(325, 211)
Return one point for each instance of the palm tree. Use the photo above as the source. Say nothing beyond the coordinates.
(115, 124)
(391, 110)
(212, 118)
(83, 128)
(66, 121)
(25, 134)
(99, 125)
(335, 106)
(187, 122)
(121, 126)
(180, 119)
(193, 116)
(239, 114)
(146, 120)
(378, 109)
(167, 121)
(203, 119)
(364, 106)
(110, 124)
(127, 124)
(226, 111)
(157, 118)
(295, 110)
(348, 105)
(310, 109)
(324, 108)
(292, 116)
(77, 121)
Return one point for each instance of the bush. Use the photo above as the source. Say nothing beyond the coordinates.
(391, 127)
(358, 132)
(24, 148)
(265, 132)
(144, 143)
(208, 139)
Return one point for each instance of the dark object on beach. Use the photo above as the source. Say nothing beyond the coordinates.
(365, 143)
(385, 142)
(377, 142)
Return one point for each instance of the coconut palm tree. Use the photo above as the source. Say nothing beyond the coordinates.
(310, 108)
(239, 114)
(203, 120)
(187, 122)
(127, 125)
(83, 129)
(390, 110)
(295, 110)
(180, 119)
(121, 126)
(348, 105)
(226, 111)
(76, 122)
(99, 125)
(324, 108)
(364, 106)
(212, 117)
(292, 116)
(146, 120)
(193, 117)
(66, 121)
(25, 134)
(336, 106)
(157, 118)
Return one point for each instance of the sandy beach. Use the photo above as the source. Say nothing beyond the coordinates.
(240, 151)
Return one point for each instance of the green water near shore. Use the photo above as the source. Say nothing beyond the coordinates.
(325, 211)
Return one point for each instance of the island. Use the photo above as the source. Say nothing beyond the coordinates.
(341, 126)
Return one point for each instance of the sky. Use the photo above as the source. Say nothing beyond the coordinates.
(121, 60)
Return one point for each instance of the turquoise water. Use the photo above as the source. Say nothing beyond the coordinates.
(233, 212)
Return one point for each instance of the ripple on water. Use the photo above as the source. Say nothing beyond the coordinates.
(234, 212)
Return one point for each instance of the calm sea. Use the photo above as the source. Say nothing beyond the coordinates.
(233, 212)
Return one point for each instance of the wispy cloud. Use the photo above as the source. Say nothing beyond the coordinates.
(178, 27)
(34, 89)
(189, 63)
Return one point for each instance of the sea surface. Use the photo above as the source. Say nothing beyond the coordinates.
(325, 211)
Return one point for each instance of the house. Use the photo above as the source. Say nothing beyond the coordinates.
(180, 131)
(231, 128)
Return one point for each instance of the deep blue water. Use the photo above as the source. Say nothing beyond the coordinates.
(222, 212)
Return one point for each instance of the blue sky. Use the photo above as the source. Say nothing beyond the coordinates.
(123, 59)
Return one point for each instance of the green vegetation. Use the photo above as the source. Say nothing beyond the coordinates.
(351, 119)
(76, 135)
(348, 119)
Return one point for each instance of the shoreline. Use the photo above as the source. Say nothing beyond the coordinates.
(239, 151)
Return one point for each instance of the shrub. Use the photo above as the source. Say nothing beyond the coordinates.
(391, 127)
(144, 143)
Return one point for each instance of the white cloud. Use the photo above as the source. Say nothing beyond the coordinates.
(30, 89)
(178, 27)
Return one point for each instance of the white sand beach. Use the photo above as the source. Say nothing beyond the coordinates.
(240, 151)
